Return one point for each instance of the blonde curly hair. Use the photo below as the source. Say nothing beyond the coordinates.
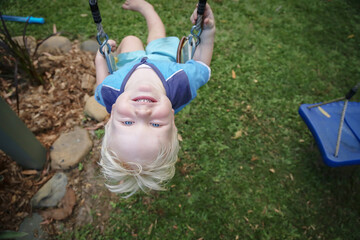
(129, 177)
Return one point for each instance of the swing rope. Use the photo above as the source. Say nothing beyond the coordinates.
(104, 47)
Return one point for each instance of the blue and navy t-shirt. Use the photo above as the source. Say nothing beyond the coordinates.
(181, 81)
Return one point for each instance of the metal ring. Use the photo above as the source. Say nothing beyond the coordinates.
(195, 28)
(105, 43)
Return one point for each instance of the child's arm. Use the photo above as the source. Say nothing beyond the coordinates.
(101, 66)
(204, 50)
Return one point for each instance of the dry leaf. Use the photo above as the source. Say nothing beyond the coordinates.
(54, 29)
(180, 138)
(272, 170)
(68, 203)
(254, 158)
(291, 177)
(190, 228)
(97, 126)
(278, 211)
(29, 172)
(233, 74)
(150, 229)
(237, 135)
(264, 210)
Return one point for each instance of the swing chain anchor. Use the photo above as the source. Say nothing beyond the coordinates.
(195, 33)
(196, 30)
(187, 46)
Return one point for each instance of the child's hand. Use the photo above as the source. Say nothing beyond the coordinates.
(112, 44)
(208, 18)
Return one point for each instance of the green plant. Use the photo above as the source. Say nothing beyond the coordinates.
(12, 234)
(99, 133)
(80, 167)
(17, 55)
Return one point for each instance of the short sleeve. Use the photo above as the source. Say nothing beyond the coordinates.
(198, 73)
(108, 91)
(98, 96)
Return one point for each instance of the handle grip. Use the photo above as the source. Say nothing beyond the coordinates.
(23, 19)
(201, 7)
(352, 91)
(95, 11)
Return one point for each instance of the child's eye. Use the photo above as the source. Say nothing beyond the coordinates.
(155, 124)
(128, 123)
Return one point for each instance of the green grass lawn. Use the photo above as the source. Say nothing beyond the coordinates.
(250, 168)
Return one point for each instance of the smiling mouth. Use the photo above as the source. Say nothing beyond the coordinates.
(144, 99)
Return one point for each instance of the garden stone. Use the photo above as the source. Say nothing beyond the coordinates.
(30, 42)
(95, 110)
(70, 148)
(52, 192)
(31, 226)
(88, 82)
(55, 45)
(89, 46)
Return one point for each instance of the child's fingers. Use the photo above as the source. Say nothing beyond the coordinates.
(193, 16)
(112, 44)
(209, 23)
(208, 16)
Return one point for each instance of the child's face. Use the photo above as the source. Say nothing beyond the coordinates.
(141, 122)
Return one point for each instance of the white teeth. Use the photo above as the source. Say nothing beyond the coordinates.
(144, 100)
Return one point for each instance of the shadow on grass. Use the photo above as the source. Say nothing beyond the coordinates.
(332, 202)
(355, 4)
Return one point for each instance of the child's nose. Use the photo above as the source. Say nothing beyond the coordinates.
(143, 111)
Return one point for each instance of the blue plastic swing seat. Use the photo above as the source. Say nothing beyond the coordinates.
(324, 122)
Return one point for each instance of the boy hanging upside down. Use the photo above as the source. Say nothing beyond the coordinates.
(140, 144)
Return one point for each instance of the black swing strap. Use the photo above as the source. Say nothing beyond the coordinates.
(97, 17)
(104, 48)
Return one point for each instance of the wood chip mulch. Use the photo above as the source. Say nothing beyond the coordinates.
(47, 111)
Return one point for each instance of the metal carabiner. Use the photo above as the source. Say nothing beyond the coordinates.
(103, 43)
(105, 50)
